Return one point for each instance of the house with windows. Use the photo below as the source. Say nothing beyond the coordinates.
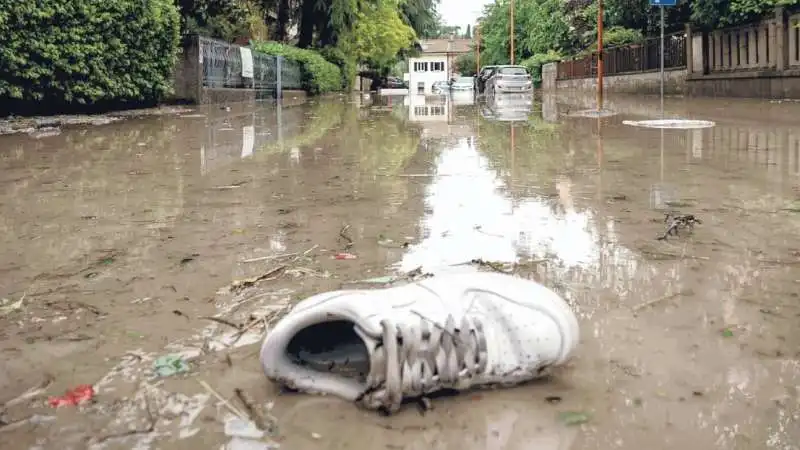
(435, 62)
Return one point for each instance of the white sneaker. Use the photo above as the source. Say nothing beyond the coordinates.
(447, 332)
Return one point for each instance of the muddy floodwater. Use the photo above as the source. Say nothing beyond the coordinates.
(185, 235)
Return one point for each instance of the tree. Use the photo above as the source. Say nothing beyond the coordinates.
(468, 33)
(379, 34)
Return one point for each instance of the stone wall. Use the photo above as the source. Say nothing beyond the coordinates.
(636, 83)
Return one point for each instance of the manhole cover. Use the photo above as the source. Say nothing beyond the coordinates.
(681, 124)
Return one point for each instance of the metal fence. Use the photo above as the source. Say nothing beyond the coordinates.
(222, 68)
(629, 58)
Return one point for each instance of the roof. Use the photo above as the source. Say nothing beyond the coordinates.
(446, 45)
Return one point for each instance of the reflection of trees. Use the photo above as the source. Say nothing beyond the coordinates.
(385, 144)
(304, 126)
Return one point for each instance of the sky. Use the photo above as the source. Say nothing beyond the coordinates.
(461, 12)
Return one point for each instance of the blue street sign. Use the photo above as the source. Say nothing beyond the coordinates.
(663, 2)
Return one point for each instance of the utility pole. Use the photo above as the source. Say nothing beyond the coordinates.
(477, 36)
(512, 31)
(599, 55)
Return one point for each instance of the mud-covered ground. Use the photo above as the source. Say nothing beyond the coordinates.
(184, 234)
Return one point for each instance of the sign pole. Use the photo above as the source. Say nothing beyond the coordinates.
(599, 56)
(662, 60)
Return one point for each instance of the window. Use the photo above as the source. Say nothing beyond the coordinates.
(437, 111)
(420, 67)
(437, 66)
(420, 111)
(421, 87)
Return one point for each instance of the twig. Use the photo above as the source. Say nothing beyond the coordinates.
(657, 300)
(347, 239)
(30, 393)
(228, 404)
(247, 328)
(779, 262)
(13, 425)
(269, 258)
(255, 415)
(222, 321)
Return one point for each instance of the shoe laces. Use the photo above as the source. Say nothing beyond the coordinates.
(412, 360)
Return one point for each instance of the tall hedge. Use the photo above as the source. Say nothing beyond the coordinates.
(319, 75)
(67, 52)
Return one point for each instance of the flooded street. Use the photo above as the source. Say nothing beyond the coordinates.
(176, 235)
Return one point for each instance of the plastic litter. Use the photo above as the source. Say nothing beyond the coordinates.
(169, 365)
(237, 427)
(76, 396)
(344, 256)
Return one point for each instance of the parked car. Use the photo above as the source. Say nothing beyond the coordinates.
(440, 87)
(510, 79)
(462, 84)
(482, 77)
(395, 83)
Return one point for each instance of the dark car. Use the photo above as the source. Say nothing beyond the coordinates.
(395, 83)
(483, 76)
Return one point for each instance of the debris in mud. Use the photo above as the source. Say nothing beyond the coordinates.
(344, 256)
(660, 299)
(680, 203)
(8, 307)
(571, 418)
(410, 276)
(254, 412)
(44, 132)
(187, 259)
(727, 332)
(271, 274)
(676, 222)
(236, 427)
(248, 282)
(553, 399)
(169, 365)
(344, 236)
(655, 254)
(33, 392)
(76, 396)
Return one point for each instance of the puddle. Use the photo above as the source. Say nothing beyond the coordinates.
(183, 234)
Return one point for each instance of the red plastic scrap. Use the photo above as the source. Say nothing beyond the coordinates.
(73, 397)
(345, 256)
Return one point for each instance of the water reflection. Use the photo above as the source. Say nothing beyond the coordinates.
(508, 107)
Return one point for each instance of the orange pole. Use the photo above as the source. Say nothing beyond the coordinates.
(512, 31)
(599, 55)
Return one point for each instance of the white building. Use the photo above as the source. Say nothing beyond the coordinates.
(436, 62)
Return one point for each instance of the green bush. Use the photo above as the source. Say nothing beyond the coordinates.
(346, 64)
(534, 64)
(58, 53)
(319, 75)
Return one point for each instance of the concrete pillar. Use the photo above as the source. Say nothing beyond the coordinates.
(773, 44)
(752, 47)
(763, 39)
(782, 40)
(741, 52)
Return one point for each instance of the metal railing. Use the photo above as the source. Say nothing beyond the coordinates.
(633, 58)
(222, 68)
